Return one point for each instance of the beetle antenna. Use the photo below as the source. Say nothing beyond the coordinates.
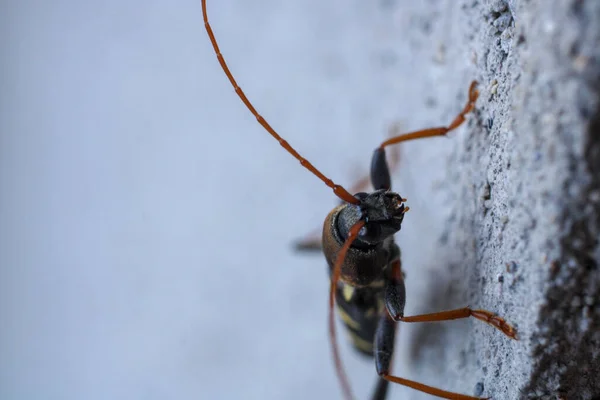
(335, 277)
(338, 190)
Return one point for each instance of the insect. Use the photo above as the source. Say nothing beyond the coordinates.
(367, 281)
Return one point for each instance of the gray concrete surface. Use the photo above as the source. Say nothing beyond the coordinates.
(147, 220)
(525, 218)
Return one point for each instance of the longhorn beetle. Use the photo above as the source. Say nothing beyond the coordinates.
(364, 261)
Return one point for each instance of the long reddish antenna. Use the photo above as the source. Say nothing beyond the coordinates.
(335, 277)
(338, 190)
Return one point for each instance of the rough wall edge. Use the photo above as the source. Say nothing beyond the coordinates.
(566, 346)
(567, 353)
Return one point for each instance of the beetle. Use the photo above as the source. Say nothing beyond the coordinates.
(366, 277)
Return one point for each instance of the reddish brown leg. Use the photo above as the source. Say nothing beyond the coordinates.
(335, 277)
(430, 389)
(482, 315)
(384, 350)
(441, 131)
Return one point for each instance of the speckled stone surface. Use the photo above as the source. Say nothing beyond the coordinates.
(523, 186)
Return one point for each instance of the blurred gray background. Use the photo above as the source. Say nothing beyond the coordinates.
(146, 219)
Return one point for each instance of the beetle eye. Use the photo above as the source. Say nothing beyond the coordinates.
(361, 195)
(370, 232)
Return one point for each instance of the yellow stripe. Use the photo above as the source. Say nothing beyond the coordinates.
(360, 343)
(348, 319)
(348, 292)
(377, 284)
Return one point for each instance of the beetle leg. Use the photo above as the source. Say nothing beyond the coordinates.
(380, 169)
(466, 312)
(441, 131)
(395, 292)
(381, 389)
(380, 172)
(335, 277)
(384, 350)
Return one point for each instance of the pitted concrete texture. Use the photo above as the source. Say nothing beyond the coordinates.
(523, 186)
